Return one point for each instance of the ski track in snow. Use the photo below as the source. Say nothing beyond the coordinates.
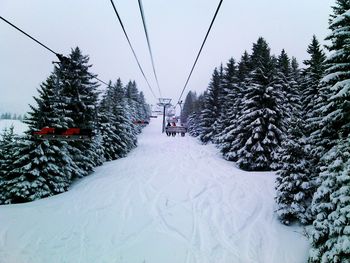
(171, 200)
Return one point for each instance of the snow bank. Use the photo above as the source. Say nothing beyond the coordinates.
(171, 200)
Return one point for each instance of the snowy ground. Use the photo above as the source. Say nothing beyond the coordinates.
(171, 200)
(19, 127)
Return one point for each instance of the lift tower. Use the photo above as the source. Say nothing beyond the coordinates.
(164, 102)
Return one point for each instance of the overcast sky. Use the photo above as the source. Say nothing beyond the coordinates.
(176, 30)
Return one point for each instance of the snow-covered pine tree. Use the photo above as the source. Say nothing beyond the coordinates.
(235, 79)
(289, 86)
(312, 75)
(144, 108)
(260, 125)
(7, 152)
(286, 80)
(314, 99)
(228, 99)
(293, 186)
(41, 168)
(188, 107)
(125, 111)
(211, 111)
(194, 119)
(330, 235)
(131, 94)
(107, 121)
(219, 123)
(308, 157)
(78, 99)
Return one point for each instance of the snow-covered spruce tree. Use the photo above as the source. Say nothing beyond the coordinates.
(330, 236)
(312, 76)
(7, 152)
(287, 81)
(194, 119)
(293, 186)
(231, 103)
(288, 84)
(219, 123)
(260, 125)
(227, 140)
(131, 94)
(144, 108)
(40, 168)
(107, 127)
(228, 99)
(314, 100)
(78, 99)
(124, 115)
(312, 103)
(211, 111)
(188, 107)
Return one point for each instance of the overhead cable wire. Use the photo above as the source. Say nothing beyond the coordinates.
(148, 43)
(132, 49)
(59, 56)
(20, 30)
(200, 50)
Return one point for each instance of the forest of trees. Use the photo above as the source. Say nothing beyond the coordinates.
(266, 114)
(31, 168)
(11, 116)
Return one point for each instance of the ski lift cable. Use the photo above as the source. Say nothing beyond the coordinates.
(20, 30)
(132, 49)
(200, 50)
(59, 56)
(149, 44)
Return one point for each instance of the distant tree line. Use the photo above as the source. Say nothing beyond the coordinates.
(265, 113)
(31, 169)
(11, 116)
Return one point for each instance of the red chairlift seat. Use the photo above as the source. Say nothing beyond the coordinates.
(70, 134)
(141, 122)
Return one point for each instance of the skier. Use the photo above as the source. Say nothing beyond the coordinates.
(174, 132)
(166, 130)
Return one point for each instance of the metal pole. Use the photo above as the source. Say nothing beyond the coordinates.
(163, 118)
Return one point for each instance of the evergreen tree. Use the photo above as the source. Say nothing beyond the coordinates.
(107, 121)
(194, 120)
(7, 153)
(78, 99)
(294, 189)
(232, 104)
(288, 84)
(312, 75)
(260, 125)
(228, 99)
(188, 107)
(211, 112)
(40, 168)
(330, 235)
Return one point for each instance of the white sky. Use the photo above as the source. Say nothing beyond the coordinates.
(176, 30)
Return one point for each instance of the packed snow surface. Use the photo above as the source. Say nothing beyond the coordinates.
(171, 200)
(18, 126)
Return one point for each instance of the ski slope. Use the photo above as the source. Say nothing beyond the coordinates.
(171, 200)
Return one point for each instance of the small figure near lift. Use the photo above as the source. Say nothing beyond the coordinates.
(166, 130)
(174, 132)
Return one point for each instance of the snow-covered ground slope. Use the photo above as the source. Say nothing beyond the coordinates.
(171, 200)
(19, 127)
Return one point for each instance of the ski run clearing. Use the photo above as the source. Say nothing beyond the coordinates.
(172, 200)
